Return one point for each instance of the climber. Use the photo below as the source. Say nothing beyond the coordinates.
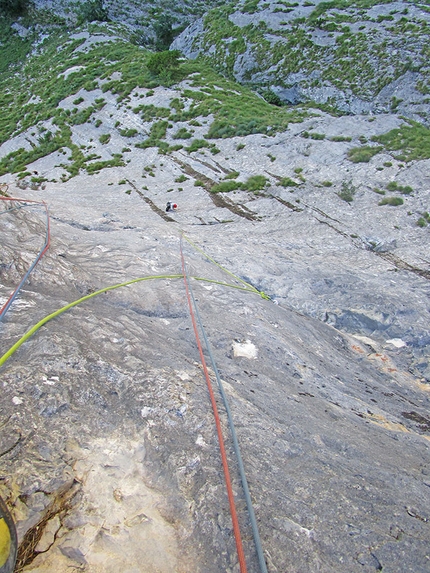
(171, 206)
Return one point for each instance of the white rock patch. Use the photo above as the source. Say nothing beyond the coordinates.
(246, 349)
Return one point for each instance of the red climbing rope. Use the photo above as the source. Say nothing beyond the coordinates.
(236, 529)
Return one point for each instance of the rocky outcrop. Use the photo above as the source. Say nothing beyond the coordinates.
(109, 457)
(353, 60)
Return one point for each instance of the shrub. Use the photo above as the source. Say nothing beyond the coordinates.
(164, 32)
(272, 98)
(347, 191)
(197, 144)
(327, 183)
(317, 136)
(363, 154)
(340, 138)
(181, 178)
(128, 132)
(393, 201)
(182, 133)
(413, 141)
(15, 7)
(394, 186)
(424, 220)
(225, 187)
(232, 175)
(105, 138)
(164, 62)
(287, 182)
(255, 183)
(92, 10)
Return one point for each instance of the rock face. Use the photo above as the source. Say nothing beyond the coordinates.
(108, 401)
(139, 16)
(109, 456)
(354, 60)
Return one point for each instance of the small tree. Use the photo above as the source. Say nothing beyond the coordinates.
(164, 32)
(164, 64)
(14, 7)
(93, 10)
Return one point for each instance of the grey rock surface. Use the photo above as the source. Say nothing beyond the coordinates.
(108, 452)
(385, 59)
(327, 386)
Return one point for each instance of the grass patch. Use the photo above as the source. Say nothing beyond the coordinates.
(225, 187)
(105, 138)
(363, 154)
(393, 201)
(340, 138)
(182, 133)
(424, 220)
(255, 183)
(412, 141)
(394, 186)
(197, 144)
(128, 132)
(347, 192)
(232, 175)
(287, 182)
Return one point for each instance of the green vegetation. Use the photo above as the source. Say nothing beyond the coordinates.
(356, 59)
(225, 187)
(287, 182)
(105, 138)
(253, 184)
(92, 10)
(14, 7)
(393, 201)
(13, 48)
(165, 65)
(232, 175)
(411, 141)
(340, 138)
(394, 186)
(30, 99)
(156, 135)
(182, 133)
(424, 220)
(163, 28)
(128, 132)
(363, 154)
(197, 144)
(347, 192)
(313, 135)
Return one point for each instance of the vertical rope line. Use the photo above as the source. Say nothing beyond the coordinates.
(43, 250)
(253, 520)
(236, 529)
(236, 447)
